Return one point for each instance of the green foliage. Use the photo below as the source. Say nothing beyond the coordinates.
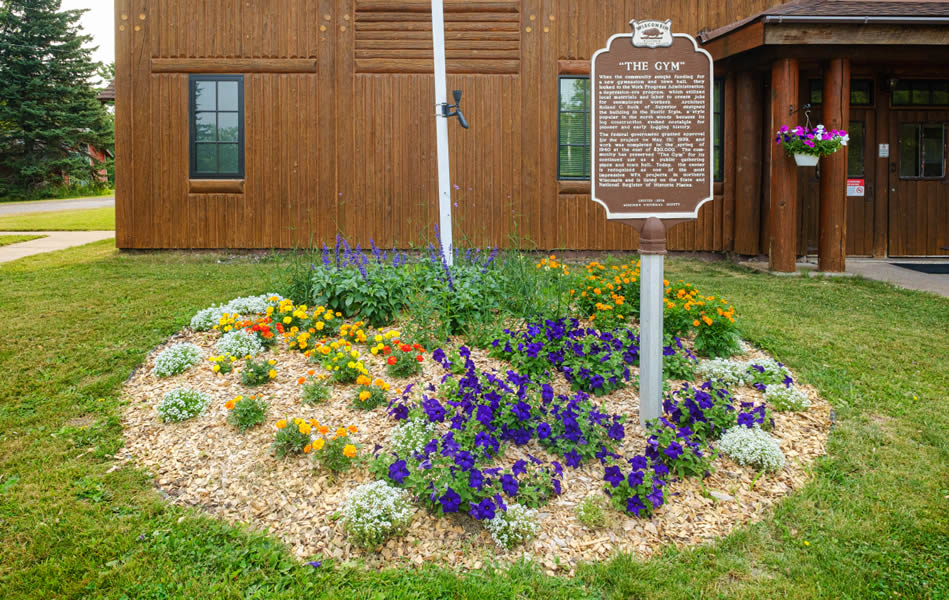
(290, 438)
(247, 413)
(314, 391)
(258, 372)
(592, 512)
(369, 397)
(49, 114)
(405, 360)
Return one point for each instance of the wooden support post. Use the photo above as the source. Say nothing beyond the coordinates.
(832, 239)
(782, 234)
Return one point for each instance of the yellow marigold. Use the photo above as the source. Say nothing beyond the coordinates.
(707, 320)
(281, 423)
(305, 428)
(695, 323)
(353, 429)
(318, 444)
(271, 362)
(286, 320)
(323, 429)
(364, 395)
(216, 368)
(341, 432)
(349, 451)
(272, 373)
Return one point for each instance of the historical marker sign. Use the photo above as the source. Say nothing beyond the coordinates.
(652, 124)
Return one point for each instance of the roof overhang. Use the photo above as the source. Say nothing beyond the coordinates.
(801, 30)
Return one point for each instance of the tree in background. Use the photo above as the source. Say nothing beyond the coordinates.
(49, 115)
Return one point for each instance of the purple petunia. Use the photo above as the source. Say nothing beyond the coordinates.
(398, 471)
(543, 431)
(464, 460)
(450, 501)
(482, 511)
(673, 451)
(635, 505)
(613, 476)
(573, 459)
(509, 485)
(635, 478)
(475, 479)
(616, 432)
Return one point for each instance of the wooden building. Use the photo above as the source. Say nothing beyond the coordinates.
(278, 123)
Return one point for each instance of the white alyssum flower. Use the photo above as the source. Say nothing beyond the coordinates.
(786, 397)
(512, 527)
(753, 447)
(177, 359)
(182, 403)
(239, 343)
(729, 372)
(376, 511)
(207, 318)
(411, 436)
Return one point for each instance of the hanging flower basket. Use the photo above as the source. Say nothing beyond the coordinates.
(808, 145)
(806, 160)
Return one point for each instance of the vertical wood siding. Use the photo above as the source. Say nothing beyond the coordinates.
(351, 147)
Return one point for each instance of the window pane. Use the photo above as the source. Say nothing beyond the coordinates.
(573, 162)
(206, 158)
(909, 151)
(817, 91)
(205, 127)
(857, 149)
(573, 94)
(861, 92)
(901, 97)
(205, 97)
(227, 95)
(228, 159)
(573, 128)
(227, 127)
(941, 93)
(920, 93)
(933, 151)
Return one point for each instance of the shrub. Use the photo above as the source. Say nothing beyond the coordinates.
(181, 404)
(716, 335)
(677, 361)
(411, 436)
(177, 359)
(246, 413)
(783, 397)
(753, 447)
(512, 527)
(239, 343)
(293, 437)
(375, 512)
(257, 373)
(592, 513)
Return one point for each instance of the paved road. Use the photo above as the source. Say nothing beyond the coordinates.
(15, 208)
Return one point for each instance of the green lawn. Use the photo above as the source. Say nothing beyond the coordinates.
(873, 523)
(89, 219)
(6, 240)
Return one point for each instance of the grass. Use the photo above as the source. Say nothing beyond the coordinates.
(6, 240)
(873, 522)
(60, 193)
(89, 219)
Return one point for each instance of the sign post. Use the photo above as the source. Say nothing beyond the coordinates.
(441, 131)
(651, 143)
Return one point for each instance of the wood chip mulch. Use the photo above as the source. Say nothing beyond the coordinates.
(206, 463)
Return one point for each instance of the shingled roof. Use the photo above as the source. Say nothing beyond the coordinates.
(821, 11)
(108, 94)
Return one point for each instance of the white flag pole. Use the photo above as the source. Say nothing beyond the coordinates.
(441, 129)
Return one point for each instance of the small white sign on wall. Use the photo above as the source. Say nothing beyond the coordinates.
(884, 151)
(856, 187)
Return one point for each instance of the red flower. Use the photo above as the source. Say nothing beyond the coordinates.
(280, 327)
(405, 348)
(417, 347)
(419, 358)
(391, 360)
(256, 328)
(386, 349)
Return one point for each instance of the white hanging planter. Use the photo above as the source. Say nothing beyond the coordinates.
(806, 160)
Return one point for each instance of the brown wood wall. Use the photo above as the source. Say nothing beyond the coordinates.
(339, 129)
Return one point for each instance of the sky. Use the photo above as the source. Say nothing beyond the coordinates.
(99, 22)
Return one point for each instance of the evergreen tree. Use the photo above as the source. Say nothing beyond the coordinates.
(49, 114)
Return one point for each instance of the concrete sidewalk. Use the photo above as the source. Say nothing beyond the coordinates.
(18, 208)
(55, 240)
(884, 269)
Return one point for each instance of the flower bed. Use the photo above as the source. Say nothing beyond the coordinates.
(543, 421)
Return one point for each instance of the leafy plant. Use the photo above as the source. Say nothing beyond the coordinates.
(293, 437)
(257, 373)
(337, 452)
(313, 388)
(512, 527)
(679, 449)
(591, 512)
(405, 359)
(638, 492)
(370, 394)
(246, 413)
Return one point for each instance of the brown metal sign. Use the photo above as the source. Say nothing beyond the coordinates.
(651, 124)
